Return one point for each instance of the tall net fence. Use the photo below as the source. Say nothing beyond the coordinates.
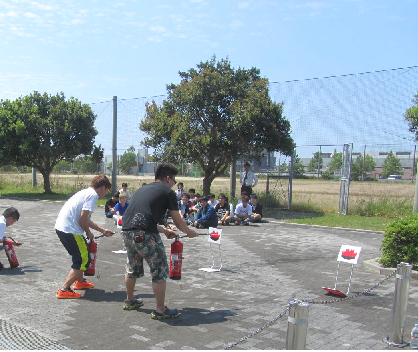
(130, 112)
(364, 109)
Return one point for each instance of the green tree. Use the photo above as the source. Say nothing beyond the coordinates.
(63, 166)
(298, 167)
(216, 115)
(357, 166)
(411, 116)
(313, 163)
(392, 166)
(282, 168)
(97, 156)
(41, 130)
(336, 162)
(127, 160)
(84, 164)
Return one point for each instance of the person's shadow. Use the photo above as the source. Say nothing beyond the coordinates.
(188, 316)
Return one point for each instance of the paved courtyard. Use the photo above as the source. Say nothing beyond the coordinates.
(265, 266)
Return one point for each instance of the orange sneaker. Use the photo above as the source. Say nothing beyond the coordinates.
(69, 293)
(83, 285)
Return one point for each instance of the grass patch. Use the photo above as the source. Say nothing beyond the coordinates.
(315, 202)
(347, 221)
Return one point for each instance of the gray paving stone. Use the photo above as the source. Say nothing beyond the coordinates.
(265, 267)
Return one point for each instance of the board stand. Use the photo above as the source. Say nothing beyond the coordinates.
(118, 222)
(334, 290)
(347, 254)
(214, 239)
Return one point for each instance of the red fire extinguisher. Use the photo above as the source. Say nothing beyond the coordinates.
(93, 255)
(176, 257)
(11, 254)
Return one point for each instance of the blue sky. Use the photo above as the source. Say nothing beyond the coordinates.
(96, 49)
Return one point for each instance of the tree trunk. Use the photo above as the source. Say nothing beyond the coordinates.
(47, 182)
(206, 186)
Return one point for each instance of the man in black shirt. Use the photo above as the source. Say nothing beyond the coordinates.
(140, 231)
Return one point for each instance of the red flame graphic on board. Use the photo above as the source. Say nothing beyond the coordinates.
(349, 254)
(214, 236)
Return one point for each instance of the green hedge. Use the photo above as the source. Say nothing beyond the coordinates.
(400, 242)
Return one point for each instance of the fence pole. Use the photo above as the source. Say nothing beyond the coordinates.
(34, 183)
(400, 302)
(115, 145)
(297, 325)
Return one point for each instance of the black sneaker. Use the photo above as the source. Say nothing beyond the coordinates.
(168, 314)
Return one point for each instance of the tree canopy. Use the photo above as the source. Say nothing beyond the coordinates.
(41, 130)
(127, 160)
(215, 115)
(359, 167)
(392, 166)
(313, 163)
(411, 116)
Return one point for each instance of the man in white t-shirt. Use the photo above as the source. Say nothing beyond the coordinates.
(72, 221)
(9, 217)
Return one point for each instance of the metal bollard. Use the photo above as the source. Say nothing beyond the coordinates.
(297, 325)
(400, 302)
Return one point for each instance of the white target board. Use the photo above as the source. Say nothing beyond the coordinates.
(349, 254)
(215, 235)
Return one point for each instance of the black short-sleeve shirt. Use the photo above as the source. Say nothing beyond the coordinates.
(147, 206)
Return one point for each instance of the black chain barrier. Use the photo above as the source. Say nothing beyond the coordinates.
(274, 320)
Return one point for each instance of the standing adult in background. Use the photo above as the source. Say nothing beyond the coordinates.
(72, 221)
(248, 179)
(140, 231)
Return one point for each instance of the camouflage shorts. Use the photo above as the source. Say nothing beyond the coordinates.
(151, 249)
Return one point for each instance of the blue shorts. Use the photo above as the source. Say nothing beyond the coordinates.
(76, 246)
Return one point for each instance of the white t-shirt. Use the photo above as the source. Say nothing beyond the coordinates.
(128, 194)
(241, 210)
(68, 219)
(2, 227)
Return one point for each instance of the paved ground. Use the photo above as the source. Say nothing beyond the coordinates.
(264, 267)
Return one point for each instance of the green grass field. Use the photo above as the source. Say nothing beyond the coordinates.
(315, 202)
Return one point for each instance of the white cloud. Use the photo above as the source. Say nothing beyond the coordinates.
(76, 21)
(42, 7)
(158, 29)
(313, 5)
(236, 24)
(243, 5)
(31, 15)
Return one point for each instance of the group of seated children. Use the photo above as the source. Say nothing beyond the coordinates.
(206, 211)
(116, 206)
(200, 212)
